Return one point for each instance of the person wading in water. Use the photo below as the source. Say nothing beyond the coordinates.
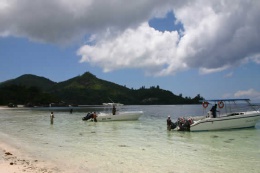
(169, 123)
(52, 117)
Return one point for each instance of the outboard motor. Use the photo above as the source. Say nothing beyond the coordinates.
(88, 116)
(174, 125)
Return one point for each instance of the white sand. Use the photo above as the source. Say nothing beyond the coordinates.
(13, 161)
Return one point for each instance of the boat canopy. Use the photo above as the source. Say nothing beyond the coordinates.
(113, 104)
(225, 100)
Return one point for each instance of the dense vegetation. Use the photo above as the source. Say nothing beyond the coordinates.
(86, 89)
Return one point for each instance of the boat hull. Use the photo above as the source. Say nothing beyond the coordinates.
(245, 120)
(122, 116)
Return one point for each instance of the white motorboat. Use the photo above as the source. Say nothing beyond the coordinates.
(232, 115)
(120, 116)
(113, 113)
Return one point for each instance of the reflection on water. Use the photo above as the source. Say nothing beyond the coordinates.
(135, 146)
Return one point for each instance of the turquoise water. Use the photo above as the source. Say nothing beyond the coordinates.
(135, 146)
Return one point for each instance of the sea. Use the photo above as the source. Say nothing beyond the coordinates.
(142, 146)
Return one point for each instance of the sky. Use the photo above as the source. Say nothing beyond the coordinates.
(188, 47)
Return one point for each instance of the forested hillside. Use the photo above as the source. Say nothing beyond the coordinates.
(86, 89)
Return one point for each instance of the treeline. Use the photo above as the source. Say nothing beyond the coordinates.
(30, 96)
(86, 89)
(34, 96)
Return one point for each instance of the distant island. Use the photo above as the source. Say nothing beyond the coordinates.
(31, 90)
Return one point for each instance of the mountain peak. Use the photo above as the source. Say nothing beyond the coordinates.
(89, 75)
(31, 80)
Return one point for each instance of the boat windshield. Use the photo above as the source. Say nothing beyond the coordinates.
(108, 107)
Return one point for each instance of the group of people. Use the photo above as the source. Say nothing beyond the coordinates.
(92, 115)
(213, 111)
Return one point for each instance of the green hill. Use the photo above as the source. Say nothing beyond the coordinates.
(86, 89)
(29, 80)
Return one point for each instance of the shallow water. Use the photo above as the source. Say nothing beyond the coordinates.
(132, 146)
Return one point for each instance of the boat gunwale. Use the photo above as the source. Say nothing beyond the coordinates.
(223, 118)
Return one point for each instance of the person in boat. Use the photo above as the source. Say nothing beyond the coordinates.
(214, 111)
(169, 123)
(114, 110)
(52, 117)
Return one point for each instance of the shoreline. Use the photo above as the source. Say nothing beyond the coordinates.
(14, 161)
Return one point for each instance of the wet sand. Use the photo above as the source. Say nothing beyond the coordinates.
(13, 161)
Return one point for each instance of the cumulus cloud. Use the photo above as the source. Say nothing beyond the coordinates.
(251, 93)
(220, 32)
(63, 21)
(217, 34)
(135, 49)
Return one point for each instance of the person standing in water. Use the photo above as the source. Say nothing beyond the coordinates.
(169, 123)
(95, 117)
(52, 117)
(114, 110)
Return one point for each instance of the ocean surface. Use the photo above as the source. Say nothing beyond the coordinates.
(131, 146)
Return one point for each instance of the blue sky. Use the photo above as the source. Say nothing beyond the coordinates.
(188, 47)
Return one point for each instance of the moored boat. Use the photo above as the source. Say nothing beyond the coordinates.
(114, 114)
(120, 116)
(232, 115)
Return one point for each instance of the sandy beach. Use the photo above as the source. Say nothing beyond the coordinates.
(13, 161)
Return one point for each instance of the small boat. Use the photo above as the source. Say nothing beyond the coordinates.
(114, 115)
(232, 115)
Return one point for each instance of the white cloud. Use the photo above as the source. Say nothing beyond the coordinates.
(144, 48)
(229, 75)
(63, 21)
(217, 34)
(251, 93)
(256, 58)
(203, 70)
